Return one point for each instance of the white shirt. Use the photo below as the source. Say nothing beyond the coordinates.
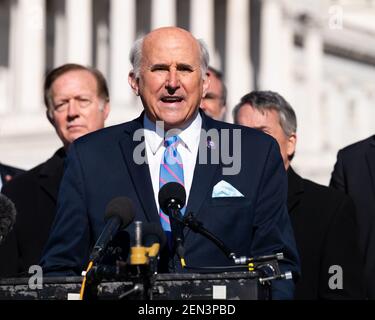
(188, 150)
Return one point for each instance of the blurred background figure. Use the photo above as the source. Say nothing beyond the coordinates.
(354, 174)
(77, 103)
(214, 103)
(323, 219)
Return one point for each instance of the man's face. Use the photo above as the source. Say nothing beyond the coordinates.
(212, 103)
(268, 121)
(170, 83)
(76, 108)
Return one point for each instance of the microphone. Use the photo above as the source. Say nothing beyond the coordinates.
(149, 240)
(118, 215)
(7, 216)
(154, 238)
(172, 198)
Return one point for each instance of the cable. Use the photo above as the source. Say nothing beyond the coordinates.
(81, 293)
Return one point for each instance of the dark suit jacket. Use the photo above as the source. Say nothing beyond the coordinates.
(8, 170)
(354, 173)
(100, 167)
(35, 195)
(324, 225)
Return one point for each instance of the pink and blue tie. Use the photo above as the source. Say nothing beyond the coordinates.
(171, 170)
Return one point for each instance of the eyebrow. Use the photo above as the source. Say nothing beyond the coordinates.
(180, 66)
(262, 128)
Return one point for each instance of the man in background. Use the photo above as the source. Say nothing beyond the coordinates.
(354, 174)
(77, 102)
(323, 219)
(214, 103)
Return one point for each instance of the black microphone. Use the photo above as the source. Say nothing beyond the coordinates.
(7, 216)
(172, 198)
(118, 215)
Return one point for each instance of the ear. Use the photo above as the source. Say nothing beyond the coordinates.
(133, 82)
(206, 85)
(50, 119)
(106, 110)
(291, 147)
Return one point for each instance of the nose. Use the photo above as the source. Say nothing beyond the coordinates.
(173, 81)
(73, 109)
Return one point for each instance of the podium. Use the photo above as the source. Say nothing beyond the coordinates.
(186, 286)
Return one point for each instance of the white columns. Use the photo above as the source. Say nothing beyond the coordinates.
(202, 25)
(239, 75)
(28, 54)
(60, 48)
(163, 13)
(122, 29)
(79, 31)
(272, 54)
(314, 69)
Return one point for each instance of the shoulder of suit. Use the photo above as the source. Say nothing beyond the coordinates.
(10, 170)
(102, 135)
(325, 192)
(358, 147)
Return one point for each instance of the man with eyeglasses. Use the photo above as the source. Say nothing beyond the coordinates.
(77, 102)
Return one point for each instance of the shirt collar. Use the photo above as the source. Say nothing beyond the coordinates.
(189, 136)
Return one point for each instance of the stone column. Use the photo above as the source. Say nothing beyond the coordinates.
(272, 54)
(79, 31)
(163, 13)
(203, 24)
(239, 74)
(28, 54)
(313, 70)
(122, 36)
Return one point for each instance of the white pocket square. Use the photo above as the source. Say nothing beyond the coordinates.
(225, 189)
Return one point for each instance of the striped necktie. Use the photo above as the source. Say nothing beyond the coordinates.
(171, 170)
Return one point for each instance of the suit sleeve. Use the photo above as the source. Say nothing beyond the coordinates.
(67, 249)
(342, 265)
(338, 176)
(273, 230)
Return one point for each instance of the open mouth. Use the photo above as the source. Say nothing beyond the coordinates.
(172, 99)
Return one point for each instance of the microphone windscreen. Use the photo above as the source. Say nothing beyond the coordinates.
(171, 190)
(153, 233)
(121, 207)
(7, 216)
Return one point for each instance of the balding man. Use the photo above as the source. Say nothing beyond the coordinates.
(172, 141)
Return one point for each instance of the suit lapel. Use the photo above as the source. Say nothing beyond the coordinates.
(295, 189)
(51, 174)
(370, 158)
(139, 173)
(204, 173)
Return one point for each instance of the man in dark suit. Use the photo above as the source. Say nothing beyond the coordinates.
(354, 174)
(7, 173)
(323, 219)
(248, 214)
(77, 103)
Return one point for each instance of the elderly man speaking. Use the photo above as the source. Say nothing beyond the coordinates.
(242, 201)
